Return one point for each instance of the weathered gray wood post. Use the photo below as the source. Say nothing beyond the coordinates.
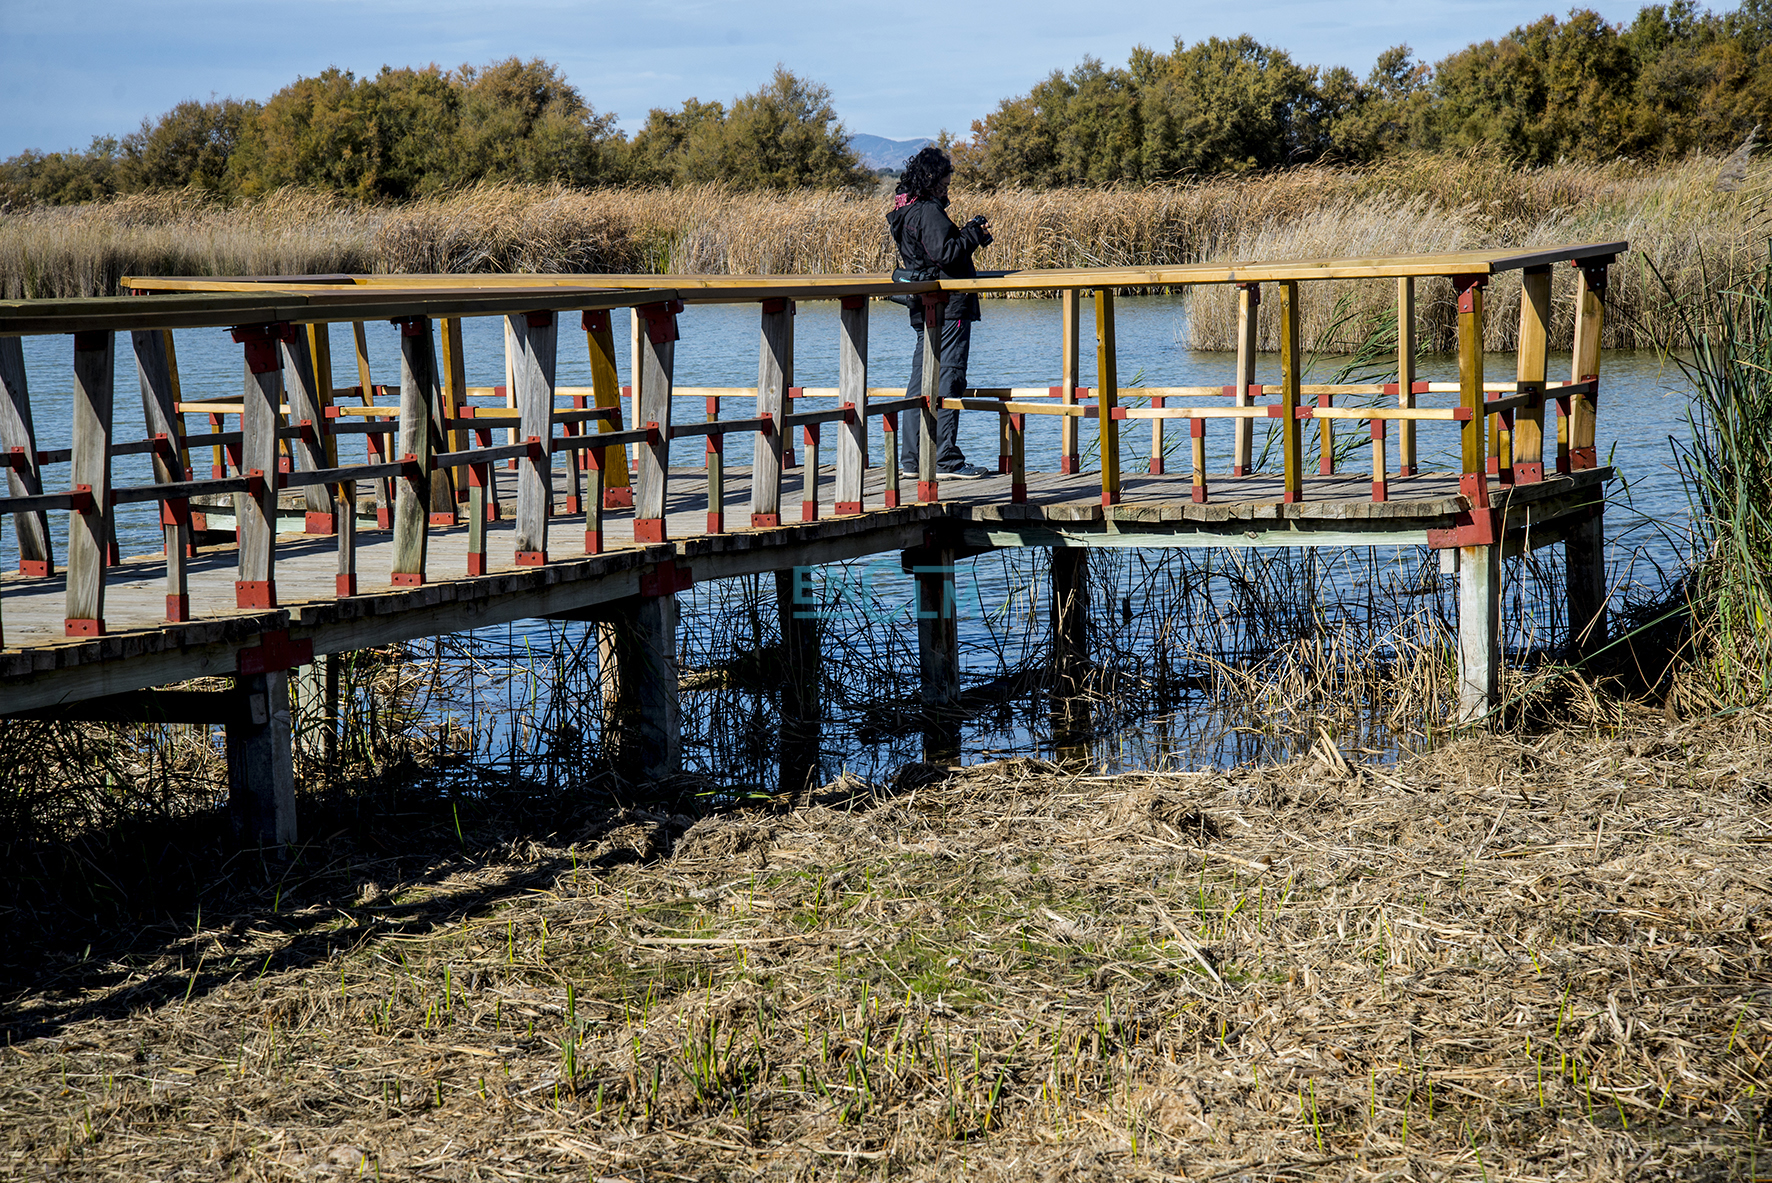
(652, 406)
(1248, 305)
(1070, 643)
(1584, 548)
(535, 336)
(935, 307)
(797, 611)
(256, 509)
(89, 527)
(1479, 552)
(637, 649)
(159, 386)
(852, 393)
(19, 440)
(415, 445)
(775, 373)
(261, 762)
(302, 387)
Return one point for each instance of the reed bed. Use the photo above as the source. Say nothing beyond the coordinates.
(1697, 221)
(1507, 960)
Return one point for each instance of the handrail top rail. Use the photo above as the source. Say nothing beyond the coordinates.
(740, 288)
(192, 307)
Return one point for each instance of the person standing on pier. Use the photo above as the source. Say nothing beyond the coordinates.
(929, 241)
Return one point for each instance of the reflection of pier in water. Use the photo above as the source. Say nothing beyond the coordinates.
(483, 505)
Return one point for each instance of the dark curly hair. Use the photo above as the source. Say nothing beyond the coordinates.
(923, 173)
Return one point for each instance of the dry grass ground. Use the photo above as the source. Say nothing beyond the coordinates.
(1509, 960)
(1700, 221)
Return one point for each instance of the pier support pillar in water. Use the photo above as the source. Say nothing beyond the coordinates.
(637, 647)
(261, 762)
(1070, 649)
(797, 610)
(1479, 631)
(316, 689)
(1584, 551)
(938, 654)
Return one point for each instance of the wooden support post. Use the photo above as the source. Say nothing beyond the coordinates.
(1406, 373)
(1069, 378)
(261, 418)
(1107, 395)
(714, 456)
(797, 612)
(89, 528)
(159, 387)
(1479, 631)
(1069, 616)
(938, 656)
(1590, 313)
(480, 506)
(301, 386)
(377, 445)
(1242, 431)
(1325, 438)
(1584, 553)
(1473, 480)
(606, 392)
(934, 326)
(594, 498)
(658, 351)
(416, 445)
(18, 438)
(647, 653)
(261, 763)
(1380, 486)
(775, 373)
(535, 335)
(1156, 466)
(1291, 379)
(315, 690)
(809, 474)
(1528, 437)
(1018, 457)
(452, 395)
(938, 637)
(852, 395)
(1197, 442)
(889, 459)
(344, 494)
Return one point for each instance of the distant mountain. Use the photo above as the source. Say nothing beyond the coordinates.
(879, 152)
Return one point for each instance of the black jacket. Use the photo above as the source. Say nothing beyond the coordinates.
(924, 233)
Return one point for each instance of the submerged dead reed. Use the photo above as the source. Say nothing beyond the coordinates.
(1507, 960)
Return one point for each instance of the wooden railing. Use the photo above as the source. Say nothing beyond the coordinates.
(431, 450)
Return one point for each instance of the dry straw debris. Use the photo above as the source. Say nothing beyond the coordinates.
(1508, 960)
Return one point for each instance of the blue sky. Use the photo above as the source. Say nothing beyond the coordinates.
(73, 69)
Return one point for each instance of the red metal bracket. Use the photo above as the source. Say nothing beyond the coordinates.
(261, 344)
(852, 303)
(413, 326)
(178, 608)
(777, 304)
(274, 652)
(540, 319)
(407, 579)
(36, 568)
(1467, 286)
(255, 593)
(175, 511)
(81, 501)
(847, 508)
(661, 320)
(532, 558)
(346, 585)
(622, 498)
(596, 322)
(1475, 527)
(84, 626)
(1254, 290)
(763, 521)
(666, 579)
(649, 529)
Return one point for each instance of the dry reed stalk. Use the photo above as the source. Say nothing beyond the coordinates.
(1674, 215)
(1507, 960)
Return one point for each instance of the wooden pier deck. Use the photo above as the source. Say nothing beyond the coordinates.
(448, 527)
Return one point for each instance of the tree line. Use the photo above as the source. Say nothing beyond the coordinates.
(1674, 80)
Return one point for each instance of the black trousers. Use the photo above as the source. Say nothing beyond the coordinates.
(956, 345)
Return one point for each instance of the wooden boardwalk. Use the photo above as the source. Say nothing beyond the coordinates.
(309, 569)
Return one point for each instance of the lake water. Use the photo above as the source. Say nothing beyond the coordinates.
(1016, 344)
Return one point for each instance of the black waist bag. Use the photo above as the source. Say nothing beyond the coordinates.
(913, 275)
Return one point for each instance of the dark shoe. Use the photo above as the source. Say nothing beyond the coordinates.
(966, 472)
